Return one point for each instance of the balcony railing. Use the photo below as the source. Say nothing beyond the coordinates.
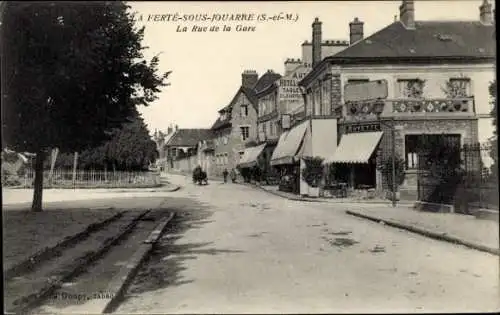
(431, 105)
(427, 106)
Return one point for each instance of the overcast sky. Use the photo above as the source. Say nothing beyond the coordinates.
(206, 67)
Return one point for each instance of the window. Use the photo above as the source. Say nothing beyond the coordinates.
(226, 159)
(458, 87)
(325, 98)
(224, 139)
(264, 129)
(241, 154)
(245, 133)
(244, 110)
(357, 81)
(411, 88)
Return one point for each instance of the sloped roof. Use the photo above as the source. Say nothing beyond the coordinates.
(428, 39)
(266, 80)
(188, 137)
(438, 41)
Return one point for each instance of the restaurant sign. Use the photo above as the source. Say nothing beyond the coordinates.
(289, 90)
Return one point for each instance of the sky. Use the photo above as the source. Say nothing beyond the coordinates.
(206, 66)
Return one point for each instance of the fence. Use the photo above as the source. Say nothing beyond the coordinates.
(93, 179)
(460, 176)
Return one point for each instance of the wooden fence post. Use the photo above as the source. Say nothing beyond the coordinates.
(75, 161)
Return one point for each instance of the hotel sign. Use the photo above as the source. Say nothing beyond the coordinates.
(289, 90)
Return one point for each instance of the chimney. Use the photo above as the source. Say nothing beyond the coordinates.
(292, 64)
(249, 78)
(485, 13)
(407, 13)
(355, 31)
(176, 127)
(316, 42)
(169, 130)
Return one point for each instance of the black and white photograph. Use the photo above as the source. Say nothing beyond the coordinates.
(244, 157)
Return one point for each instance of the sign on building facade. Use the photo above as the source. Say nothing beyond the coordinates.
(290, 95)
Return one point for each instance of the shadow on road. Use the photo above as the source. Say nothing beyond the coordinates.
(166, 264)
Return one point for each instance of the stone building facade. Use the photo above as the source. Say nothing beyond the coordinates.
(435, 85)
(236, 126)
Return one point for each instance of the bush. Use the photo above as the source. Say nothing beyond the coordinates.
(386, 170)
(313, 170)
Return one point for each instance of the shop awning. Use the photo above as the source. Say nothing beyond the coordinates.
(250, 156)
(288, 145)
(356, 147)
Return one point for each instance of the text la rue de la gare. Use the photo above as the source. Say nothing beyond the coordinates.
(243, 17)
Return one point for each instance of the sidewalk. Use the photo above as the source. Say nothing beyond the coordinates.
(456, 228)
(274, 190)
(460, 229)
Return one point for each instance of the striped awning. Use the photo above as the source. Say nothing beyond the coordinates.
(288, 145)
(356, 147)
(250, 156)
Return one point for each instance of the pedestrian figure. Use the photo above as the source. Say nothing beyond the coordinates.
(225, 173)
(233, 175)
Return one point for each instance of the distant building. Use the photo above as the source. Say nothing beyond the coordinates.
(183, 143)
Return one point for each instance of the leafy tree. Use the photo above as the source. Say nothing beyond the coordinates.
(494, 139)
(313, 170)
(130, 148)
(72, 72)
(385, 168)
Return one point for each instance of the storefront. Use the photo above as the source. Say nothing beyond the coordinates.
(312, 138)
(355, 159)
(250, 160)
(286, 157)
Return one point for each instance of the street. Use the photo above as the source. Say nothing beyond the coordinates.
(242, 250)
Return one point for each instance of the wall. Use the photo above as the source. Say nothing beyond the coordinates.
(235, 144)
(186, 165)
(326, 50)
(436, 77)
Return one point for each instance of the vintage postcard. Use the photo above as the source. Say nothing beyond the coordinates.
(249, 157)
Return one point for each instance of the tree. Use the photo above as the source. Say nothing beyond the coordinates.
(494, 139)
(72, 72)
(385, 168)
(313, 171)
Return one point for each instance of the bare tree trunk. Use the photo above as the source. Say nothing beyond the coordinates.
(53, 156)
(38, 189)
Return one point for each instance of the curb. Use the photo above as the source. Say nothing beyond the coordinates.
(430, 234)
(48, 251)
(176, 188)
(123, 279)
(27, 302)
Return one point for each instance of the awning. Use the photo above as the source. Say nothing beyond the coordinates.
(356, 147)
(250, 156)
(288, 145)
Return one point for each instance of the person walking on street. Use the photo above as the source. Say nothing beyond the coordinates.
(225, 173)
